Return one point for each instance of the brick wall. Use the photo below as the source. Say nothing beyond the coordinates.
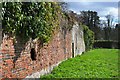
(16, 59)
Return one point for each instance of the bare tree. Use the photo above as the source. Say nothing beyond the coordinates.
(108, 26)
(110, 19)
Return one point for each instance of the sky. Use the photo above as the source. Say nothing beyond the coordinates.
(103, 7)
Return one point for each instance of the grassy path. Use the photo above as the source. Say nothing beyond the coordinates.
(98, 63)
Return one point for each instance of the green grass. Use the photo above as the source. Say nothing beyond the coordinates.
(98, 63)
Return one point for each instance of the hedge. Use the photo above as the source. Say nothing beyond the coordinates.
(106, 44)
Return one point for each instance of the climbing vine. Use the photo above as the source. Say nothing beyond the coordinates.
(31, 20)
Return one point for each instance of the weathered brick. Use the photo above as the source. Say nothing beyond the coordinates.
(49, 54)
(9, 61)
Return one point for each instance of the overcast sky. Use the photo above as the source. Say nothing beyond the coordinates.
(103, 8)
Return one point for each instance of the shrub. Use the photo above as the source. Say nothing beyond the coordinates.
(88, 37)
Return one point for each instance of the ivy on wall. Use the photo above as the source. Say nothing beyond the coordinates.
(38, 20)
(31, 20)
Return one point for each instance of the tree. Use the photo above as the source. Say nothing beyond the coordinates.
(91, 19)
(108, 27)
(109, 20)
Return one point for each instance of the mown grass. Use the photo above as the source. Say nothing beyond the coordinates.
(97, 63)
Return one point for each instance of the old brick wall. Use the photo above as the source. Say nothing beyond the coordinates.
(15, 57)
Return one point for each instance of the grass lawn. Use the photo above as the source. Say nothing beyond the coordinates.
(97, 63)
